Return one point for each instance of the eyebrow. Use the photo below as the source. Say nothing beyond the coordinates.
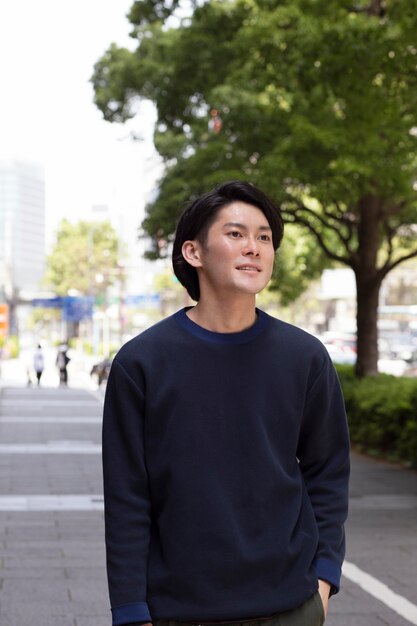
(239, 225)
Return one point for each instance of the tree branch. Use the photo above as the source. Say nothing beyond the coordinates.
(390, 232)
(301, 220)
(326, 224)
(345, 222)
(348, 217)
(405, 257)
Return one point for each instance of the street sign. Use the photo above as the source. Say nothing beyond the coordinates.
(47, 303)
(76, 309)
(146, 301)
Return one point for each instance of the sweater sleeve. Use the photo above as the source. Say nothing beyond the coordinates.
(323, 455)
(126, 497)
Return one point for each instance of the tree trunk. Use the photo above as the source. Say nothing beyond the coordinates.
(368, 283)
(367, 326)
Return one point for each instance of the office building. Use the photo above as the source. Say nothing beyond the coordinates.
(22, 228)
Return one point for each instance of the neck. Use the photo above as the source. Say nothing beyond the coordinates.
(224, 317)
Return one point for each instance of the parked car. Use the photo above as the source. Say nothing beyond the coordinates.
(345, 341)
(403, 347)
(340, 346)
(341, 354)
(101, 371)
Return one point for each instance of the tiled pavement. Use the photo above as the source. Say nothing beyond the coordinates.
(52, 568)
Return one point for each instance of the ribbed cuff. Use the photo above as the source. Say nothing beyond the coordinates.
(330, 572)
(131, 613)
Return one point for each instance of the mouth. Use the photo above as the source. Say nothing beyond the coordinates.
(248, 268)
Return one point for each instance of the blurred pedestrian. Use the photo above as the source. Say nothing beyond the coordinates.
(38, 363)
(62, 361)
(225, 442)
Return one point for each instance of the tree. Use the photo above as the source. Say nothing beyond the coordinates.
(314, 100)
(83, 259)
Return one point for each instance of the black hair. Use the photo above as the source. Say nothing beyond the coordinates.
(197, 218)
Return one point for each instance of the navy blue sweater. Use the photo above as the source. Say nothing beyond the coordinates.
(226, 463)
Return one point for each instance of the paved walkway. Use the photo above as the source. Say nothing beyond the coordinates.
(52, 570)
(382, 543)
(52, 565)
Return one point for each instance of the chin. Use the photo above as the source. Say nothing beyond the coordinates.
(251, 290)
(254, 286)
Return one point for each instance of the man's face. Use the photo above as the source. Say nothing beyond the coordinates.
(237, 256)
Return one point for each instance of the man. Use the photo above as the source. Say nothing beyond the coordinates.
(225, 444)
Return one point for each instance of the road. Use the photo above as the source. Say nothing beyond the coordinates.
(52, 564)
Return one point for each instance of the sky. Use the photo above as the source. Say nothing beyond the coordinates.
(47, 52)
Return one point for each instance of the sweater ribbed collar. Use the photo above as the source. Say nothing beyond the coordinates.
(244, 336)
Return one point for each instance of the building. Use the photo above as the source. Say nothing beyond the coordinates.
(22, 231)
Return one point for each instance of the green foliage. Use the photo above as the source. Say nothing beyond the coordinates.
(298, 262)
(83, 253)
(10, 347)
(382, 414)
(315, 100)
(143, 13)
(40, 315)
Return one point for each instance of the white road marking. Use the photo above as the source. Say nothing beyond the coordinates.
(52, 503)
(49, 420)
(51, 447)
(368, 583)
(381, 592)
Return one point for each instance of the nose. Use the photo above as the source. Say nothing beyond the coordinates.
(251, 247)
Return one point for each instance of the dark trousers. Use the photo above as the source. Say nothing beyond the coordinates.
(311, 613)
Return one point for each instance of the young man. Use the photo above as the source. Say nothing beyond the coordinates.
(225, 444)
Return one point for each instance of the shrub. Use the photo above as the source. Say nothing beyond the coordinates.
(382, 414)
(10, 347)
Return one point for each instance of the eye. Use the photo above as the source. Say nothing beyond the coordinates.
(235, 234)
(265, 238)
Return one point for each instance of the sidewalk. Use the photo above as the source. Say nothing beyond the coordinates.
(52, 562)
(381, 542)
(13, 372)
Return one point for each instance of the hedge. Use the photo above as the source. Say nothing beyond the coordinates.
(382, 414)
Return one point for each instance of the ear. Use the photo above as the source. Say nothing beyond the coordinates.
(191, 252)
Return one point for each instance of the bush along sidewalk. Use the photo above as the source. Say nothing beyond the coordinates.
(382, 415)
